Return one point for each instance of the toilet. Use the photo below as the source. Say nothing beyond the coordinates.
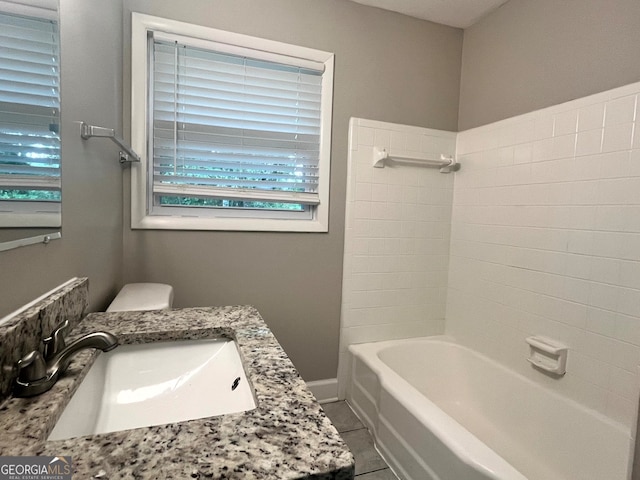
(142, 296)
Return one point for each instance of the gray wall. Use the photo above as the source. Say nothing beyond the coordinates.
(530, 54)
(526, 55)
(388, 67)
(91, 243)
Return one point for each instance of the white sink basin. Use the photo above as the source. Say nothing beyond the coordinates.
(157, 383)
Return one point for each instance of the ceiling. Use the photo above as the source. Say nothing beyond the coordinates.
(456, 13)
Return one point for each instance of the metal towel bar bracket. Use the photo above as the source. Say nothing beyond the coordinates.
(127, 155)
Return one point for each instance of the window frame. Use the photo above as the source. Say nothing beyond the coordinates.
(315, 219)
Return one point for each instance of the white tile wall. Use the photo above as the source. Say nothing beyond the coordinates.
(396, 239)
(541, 235)
(545, 239)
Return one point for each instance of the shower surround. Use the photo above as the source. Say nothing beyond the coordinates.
(545, 240)
(398, 220)
(537, 234)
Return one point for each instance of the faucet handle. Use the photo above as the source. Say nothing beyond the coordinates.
(55, 343)
(31, 368)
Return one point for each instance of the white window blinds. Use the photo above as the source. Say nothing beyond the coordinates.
(234, 126)
(29, 106)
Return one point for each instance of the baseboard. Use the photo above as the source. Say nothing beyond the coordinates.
(325, 391)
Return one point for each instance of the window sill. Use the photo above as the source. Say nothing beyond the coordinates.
(228, 224)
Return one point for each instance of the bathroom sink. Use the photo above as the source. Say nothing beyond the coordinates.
(157, 383)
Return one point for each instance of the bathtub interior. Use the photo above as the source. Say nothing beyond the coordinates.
(415, 405)
(394, 415)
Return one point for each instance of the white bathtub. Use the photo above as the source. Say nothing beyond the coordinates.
(438, 410)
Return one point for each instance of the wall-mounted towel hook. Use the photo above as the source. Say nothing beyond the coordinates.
(127, 155)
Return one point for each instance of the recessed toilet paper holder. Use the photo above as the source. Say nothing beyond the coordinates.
(548, 354)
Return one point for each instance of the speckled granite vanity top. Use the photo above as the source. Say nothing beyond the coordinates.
(286, 437)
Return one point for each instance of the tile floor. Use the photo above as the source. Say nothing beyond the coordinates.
(369, 464)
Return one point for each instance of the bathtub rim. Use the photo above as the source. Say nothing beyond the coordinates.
(468, 448)
(464, 445)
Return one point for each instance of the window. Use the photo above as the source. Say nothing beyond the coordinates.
(236, 130)
(29, 116)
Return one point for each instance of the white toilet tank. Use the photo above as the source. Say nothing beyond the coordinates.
(142, 296)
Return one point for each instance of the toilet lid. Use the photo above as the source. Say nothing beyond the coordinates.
(142, 296)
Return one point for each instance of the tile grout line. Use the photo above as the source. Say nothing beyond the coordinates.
(353, 429)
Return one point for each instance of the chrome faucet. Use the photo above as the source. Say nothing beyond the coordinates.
(37, 374)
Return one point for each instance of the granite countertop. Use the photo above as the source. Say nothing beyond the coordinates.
(286, 437)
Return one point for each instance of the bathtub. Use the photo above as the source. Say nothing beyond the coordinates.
(438, 410)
